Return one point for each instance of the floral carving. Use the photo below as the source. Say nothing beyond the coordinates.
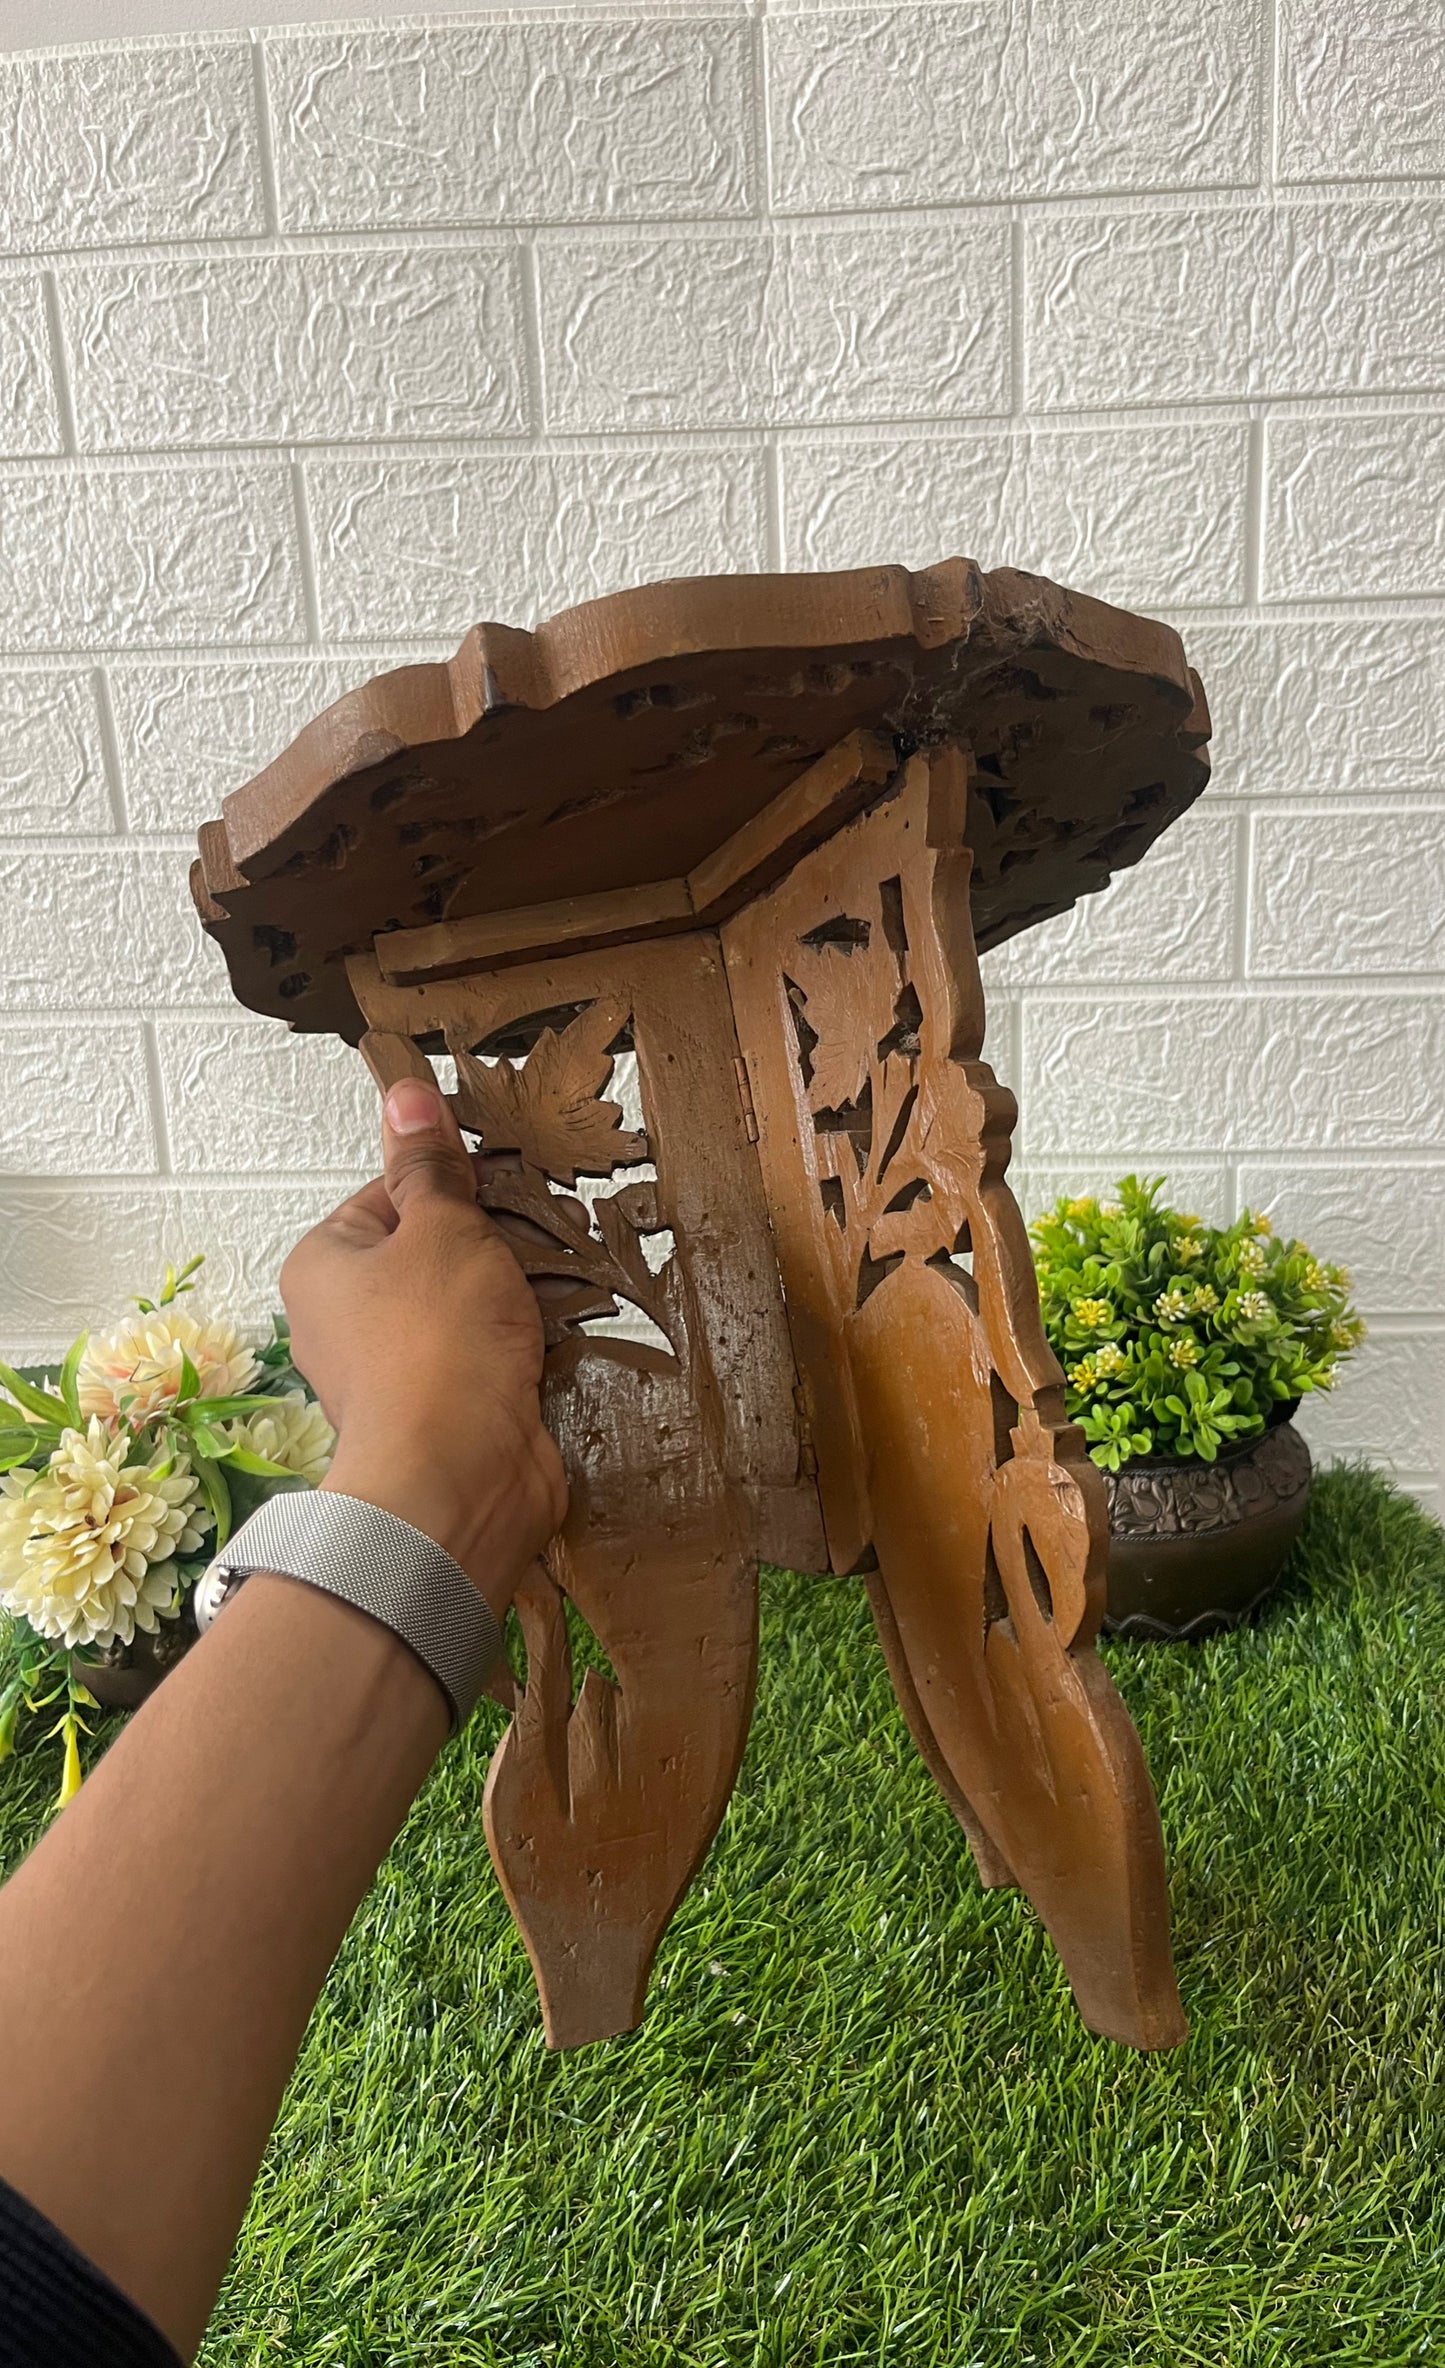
(584, 1274)
(857, 1019)
(937, 1405)
(550, 1108)
(543, 1121)
(910, 1138)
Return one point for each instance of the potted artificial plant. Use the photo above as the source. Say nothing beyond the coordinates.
(123, 1475)
(1186, 1348)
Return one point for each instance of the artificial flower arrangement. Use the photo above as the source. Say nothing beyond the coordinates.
(1178, 1338)
(123, 1477)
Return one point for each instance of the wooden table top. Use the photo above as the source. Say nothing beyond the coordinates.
(625, 741)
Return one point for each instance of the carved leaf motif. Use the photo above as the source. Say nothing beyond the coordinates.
(840, 1069)
(551, 1238)
(861, 1017)
(850, 997)
(548, 1109)
(937, 1404)
(617, 1224)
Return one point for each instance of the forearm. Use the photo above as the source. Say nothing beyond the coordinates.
(220, 1850)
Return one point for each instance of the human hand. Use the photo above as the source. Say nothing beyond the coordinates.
(420, 1335)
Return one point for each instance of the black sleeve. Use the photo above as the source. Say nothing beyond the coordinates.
(56, 2309)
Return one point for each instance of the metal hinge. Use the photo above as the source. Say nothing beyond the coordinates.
(745, 1096)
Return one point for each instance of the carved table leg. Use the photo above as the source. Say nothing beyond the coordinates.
(937, 1405)
(682, 1452)
(599, 1813)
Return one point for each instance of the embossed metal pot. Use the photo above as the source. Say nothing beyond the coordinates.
(1194, 1547)
(127, 1673)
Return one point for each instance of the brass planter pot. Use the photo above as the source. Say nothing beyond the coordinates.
(1195, 1547)
(127, 1673)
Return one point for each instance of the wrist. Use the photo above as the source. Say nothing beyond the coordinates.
(379, 1563)
(459, 1518)
(305, 1627)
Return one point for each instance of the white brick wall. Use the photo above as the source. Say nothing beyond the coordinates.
(316, 345)
(313, 348)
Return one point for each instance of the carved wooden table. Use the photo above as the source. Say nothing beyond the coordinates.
(755, 828)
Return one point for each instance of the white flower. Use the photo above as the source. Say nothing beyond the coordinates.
(1109, 1357)
(1172, 1306)
(294, 1432)
(140, 1363)
(1251, 1257)
(1256, 1307)
(86, 1545)
(1184, 1351)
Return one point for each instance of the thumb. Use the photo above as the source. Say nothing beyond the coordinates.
(423, 1155)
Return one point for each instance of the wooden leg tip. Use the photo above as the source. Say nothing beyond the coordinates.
(590, 1994)
(1149, 2025)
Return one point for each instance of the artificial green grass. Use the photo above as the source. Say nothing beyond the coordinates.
(862, 2122)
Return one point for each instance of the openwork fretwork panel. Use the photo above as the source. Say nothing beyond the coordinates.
(943, 1455)
(683, 1450)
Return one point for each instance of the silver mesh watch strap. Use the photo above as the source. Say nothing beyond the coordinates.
(381, 1565)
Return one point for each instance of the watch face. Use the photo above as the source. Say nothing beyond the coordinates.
(214, 1587)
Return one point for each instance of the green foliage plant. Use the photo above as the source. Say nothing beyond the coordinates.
(1180, 1339)
(190, 1430)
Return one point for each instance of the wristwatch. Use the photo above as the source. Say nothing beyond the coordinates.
(377, 1563)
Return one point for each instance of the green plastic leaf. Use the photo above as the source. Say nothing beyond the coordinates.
(244, 1459)
(228, 1409)
(69, 1379)
(33, 1400)
(190, 1381)
(70, 1780)
(216, 1495)
(27, 1434)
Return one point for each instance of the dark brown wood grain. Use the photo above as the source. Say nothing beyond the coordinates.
(624, 742)
(761, 850)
